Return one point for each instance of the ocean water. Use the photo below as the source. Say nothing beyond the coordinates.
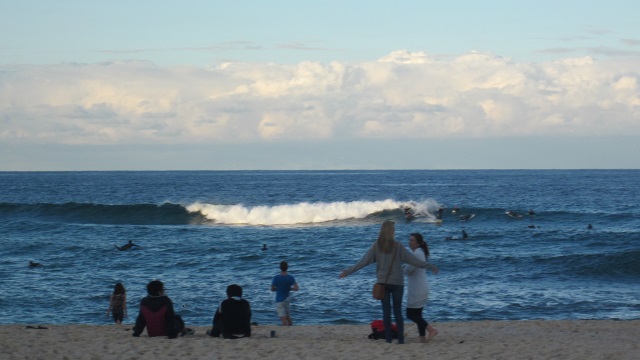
(201, 231)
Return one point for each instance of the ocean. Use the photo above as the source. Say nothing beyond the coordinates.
(199, 231)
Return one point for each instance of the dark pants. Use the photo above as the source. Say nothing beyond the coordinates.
(394, 292)
(415, 315)
(118, 315)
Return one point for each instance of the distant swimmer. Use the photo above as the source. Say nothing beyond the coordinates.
(439, 215)
(466, 217)
(465, 236)
(531, 213)
(33, 264)
(264, 247)
(455, 209)
(532, 226)
(126, 246)
(589, 226)
(513, 214)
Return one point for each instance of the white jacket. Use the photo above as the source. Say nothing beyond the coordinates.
(417, 286)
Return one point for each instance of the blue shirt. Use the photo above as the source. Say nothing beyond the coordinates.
(283, 284)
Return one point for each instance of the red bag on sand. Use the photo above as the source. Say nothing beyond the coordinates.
(377, 330)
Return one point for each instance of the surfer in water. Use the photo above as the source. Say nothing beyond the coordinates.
(466, 217)
(408, 213)
(33, 264)
(513, 214)
(126, 246)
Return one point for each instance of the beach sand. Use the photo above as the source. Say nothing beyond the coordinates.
(534, 339)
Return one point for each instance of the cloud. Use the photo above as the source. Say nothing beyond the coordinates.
(401, 95)
(631, 42)
(302, 46)
(219, 47)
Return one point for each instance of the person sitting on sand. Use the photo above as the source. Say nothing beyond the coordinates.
(126, 246)
(157, 314)
(232, 319)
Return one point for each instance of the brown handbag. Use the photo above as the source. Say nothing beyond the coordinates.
(378, 288)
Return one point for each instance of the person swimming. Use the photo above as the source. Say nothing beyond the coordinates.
(126, 246)
(33, 264)
(514, 214)
(264, 247)
(466, 217)
(465, 235)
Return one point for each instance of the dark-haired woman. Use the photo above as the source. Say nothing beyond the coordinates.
(418, 288)
(118, 303)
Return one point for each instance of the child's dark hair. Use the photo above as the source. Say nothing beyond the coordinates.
(119, 289)
(421, 243)
(284, 266)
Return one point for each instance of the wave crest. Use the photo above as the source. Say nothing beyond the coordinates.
(291, 214)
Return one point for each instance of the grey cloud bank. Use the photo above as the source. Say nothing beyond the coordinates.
(311, 108)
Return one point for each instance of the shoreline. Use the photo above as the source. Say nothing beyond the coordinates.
(510, 339)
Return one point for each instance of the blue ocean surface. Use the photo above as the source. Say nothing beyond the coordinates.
(201, 231)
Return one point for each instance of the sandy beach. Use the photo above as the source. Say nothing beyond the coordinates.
(535, 339)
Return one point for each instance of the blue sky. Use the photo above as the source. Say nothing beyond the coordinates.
(167, 85)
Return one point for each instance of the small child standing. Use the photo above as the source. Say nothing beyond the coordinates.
(118, 303)
(282, 284)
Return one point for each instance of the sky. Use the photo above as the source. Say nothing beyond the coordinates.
(305, 85)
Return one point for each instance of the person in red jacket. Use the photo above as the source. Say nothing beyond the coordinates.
(157, 314)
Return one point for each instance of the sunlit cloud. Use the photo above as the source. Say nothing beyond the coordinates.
(401, 95)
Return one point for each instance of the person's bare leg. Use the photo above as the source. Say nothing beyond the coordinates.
(431, 333)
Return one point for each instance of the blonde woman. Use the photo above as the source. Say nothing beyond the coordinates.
(388, 254)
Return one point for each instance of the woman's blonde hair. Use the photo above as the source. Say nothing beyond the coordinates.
(386, 238)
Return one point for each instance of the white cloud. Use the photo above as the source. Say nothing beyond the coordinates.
(401, 95)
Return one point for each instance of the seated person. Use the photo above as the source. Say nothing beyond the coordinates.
(232, 320)
(156, 313)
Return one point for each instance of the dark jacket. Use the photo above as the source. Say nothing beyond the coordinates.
(157, 314)
(232, 319)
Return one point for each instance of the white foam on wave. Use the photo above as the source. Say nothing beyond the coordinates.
(290, 214)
